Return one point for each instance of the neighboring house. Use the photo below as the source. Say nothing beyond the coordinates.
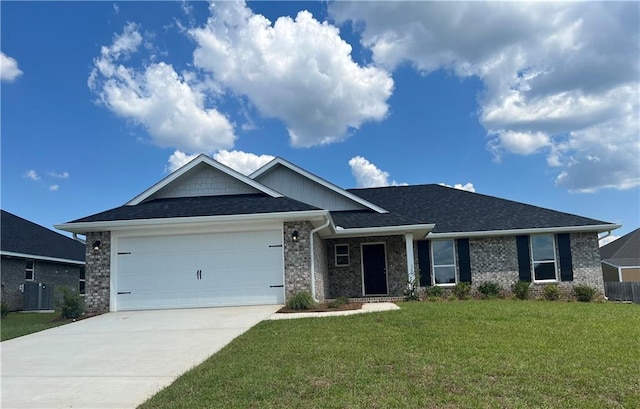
(33, 256)
(621, 258)
(207, 235)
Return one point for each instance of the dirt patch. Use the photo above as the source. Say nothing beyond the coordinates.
(324, 307)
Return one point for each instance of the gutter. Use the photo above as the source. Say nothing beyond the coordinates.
(313, 261)
(536, 230)
(76, 238)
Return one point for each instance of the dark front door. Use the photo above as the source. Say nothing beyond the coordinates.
(374, 269)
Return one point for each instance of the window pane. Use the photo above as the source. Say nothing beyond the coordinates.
(342, 249)
(28, 275)
(82, 273)
(443, 252)
(545, 271)
(342, 260)
(29, 264)
(445, 275)
(542, 247)
(81, 287)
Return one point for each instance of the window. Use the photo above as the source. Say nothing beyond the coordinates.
(81, 283)
(29, 269)
(342, 255)
(444, 261)
(543, 258)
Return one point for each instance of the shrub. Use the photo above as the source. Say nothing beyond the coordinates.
(551, 292)
(490, 289)
(412, 293)
(462, 290)
(584, 293)
(435, 291)
(4, 310)
(521, 289)
(72, 305)
(301, 301)
(338, 302)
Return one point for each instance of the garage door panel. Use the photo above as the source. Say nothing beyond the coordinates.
(236, 269)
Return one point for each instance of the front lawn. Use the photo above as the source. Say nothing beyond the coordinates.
(460, 354)
(18, 324)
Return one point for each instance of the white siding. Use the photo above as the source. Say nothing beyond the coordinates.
(298, 187)
(204, 180)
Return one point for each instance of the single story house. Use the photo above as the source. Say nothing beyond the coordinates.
(34, 259)
(621, 258)
(206, 235)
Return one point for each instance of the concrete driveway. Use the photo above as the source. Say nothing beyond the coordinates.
(116, 360)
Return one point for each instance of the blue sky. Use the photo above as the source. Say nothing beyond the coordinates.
(535, 103)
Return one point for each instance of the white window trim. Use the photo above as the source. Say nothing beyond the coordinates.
(335, 255)
(32, 269)
(555, 260)
(433, 265)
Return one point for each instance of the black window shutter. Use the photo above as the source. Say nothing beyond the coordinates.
(524, 258)
(464, 258)
(424, 263)
(566, 263)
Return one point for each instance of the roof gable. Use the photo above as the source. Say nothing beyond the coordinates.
(22, 237)
(296, 183)
(202, 176)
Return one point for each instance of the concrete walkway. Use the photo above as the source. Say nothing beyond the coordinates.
(116, 360)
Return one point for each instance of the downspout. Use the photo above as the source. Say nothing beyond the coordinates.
(76, 238)
(313, 261)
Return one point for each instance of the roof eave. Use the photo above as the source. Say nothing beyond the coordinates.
(40, 257)
(517, 232)
(419, 231)
(114, 225)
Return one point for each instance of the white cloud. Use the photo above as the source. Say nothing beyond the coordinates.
(606, 240)
(297, 70)
(31, 174)
(9, 70)
(54, 188)
(170, 106)
(62, 175)
(368, 175)
(560, 78)
(242, 162)
(467, 186)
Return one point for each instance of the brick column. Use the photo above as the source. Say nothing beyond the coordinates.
(98, 273)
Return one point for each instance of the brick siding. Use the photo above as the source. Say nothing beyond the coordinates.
(98, 273)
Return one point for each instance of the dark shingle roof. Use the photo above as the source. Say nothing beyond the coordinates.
(22, 236)
(624, 251)
(368, 218)
(454, 210)
(200, 206)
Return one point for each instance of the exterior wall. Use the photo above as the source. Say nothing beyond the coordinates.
(347, 281)
(296, 186)
(630, 274)
(297, 258)
(46, 272)
(204, 181)
(321, 266)
(98, 273)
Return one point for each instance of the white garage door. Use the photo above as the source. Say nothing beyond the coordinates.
(199, 270)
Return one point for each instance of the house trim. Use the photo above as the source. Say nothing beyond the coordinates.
(421, 230)
(43, 258)
(311, 176)
(516, 232)
(202, 158)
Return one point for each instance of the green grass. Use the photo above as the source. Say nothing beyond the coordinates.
(461, 354)
(23, 323)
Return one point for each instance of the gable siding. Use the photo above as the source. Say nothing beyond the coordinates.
(298, 187)
(203, 181)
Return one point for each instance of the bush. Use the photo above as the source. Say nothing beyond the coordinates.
(4, 310)
(301, 301)
(72, 306)
(412, 293)
(338, 302)
(462, 290)
(584, 293)
(434, 291)
(551, 292)
(521, 289)
(490, 289)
